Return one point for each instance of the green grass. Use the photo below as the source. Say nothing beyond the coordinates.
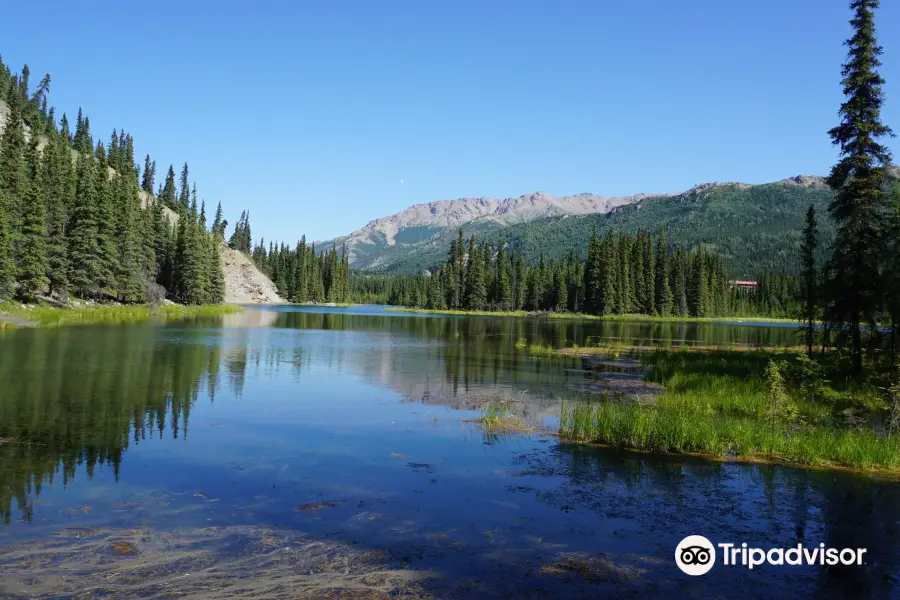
(499, 418)
(717, 403)
(51, 316)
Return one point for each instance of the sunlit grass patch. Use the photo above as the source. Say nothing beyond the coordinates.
(721, 403)
(498, 418)
(46, 316)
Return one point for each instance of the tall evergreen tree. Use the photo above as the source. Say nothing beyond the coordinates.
(663, 289)
(12, 168)
(106, 222)
(85, 260)
(810, 276)
(504, 289)
(58, 180)
(7, 269)
(857, 180)
(476, 293)
(31, 259)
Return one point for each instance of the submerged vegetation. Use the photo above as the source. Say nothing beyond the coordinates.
(754, 404)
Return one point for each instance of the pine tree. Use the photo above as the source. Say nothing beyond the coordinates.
(31, 257)
(663, 290)
(857, 180)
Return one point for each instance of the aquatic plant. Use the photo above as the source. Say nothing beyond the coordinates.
(736, 405)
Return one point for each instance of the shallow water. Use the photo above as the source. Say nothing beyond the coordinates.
(325, 452)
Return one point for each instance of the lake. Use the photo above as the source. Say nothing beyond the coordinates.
(313, 452)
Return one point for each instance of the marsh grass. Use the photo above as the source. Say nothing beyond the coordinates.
(498, 418)
(719, 403)
(541, 350)
(52, 316)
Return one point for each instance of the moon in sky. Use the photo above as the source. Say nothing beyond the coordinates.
(401, 181)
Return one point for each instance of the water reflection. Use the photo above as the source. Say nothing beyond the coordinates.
(218, 430)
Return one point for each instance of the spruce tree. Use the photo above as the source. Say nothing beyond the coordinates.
(520, 284)
(625, 284)
(184, 197)
(214, 268)
(504, 289)
(12, 168)
(476, 293)
(593, 272)
(106, 222)
(892, 272)
(649, 273)
(808, 247)
(130, 260)
(7, 269)
(85, 260)
(609, 270)
(857, 180)
(167, 193)
(58, 180)
(31, 256)
(147, 179)
(663, 290)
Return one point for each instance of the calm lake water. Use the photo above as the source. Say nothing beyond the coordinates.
(327, 453)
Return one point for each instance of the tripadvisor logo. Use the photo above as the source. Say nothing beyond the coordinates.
(696, 555)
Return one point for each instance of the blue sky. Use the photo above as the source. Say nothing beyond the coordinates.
(309, 113)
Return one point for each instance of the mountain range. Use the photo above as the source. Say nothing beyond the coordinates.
(753, 227)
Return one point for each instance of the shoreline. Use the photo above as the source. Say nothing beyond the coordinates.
(587, 317)
(15, 316)
(715, 404)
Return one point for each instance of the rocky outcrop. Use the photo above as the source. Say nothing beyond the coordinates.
(244, 283)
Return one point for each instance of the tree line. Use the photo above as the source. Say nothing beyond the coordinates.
(77, 217)
(620, 274)
(301, 274)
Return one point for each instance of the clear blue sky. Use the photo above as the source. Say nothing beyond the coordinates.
(311, 112)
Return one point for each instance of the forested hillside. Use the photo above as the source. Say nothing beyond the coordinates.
(72, 220)
(750, 228)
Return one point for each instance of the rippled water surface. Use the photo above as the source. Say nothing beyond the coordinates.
(330, 453)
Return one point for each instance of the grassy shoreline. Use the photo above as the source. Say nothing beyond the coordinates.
(717, 404)
(44, 316)
(586, 317)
